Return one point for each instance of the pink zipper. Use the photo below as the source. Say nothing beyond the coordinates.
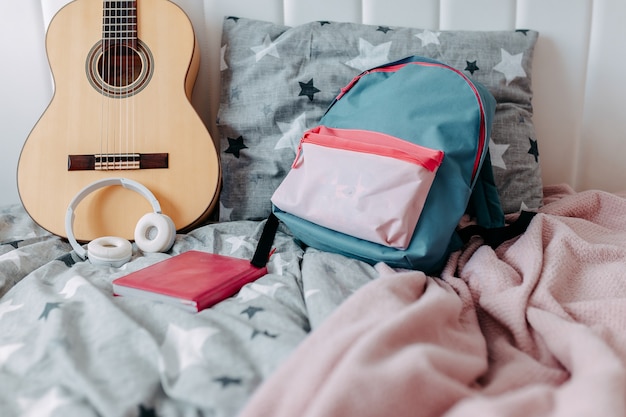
(394, 68)
(374, 143)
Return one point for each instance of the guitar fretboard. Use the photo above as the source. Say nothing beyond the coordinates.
(119, 22)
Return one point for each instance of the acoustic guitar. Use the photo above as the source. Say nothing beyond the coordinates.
(123, 74)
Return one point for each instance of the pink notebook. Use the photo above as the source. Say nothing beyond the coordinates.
(193, 280)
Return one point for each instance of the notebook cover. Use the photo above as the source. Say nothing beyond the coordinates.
(193, 280)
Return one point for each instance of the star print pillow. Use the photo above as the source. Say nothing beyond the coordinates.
(277, 82)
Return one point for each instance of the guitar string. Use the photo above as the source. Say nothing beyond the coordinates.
(129, 19)
(133, 35)
(101, 71)
(140, 62)
(111, 103)
(119, 78)
(111, 79)
(123, 85)
(118, 47)
(110, 76)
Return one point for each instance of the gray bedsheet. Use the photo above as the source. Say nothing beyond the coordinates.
(68, 347)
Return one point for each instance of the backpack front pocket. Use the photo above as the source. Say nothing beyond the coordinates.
(365, 184)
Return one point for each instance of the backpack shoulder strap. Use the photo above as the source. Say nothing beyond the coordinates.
(266, 240)
(495, 236)
(484, 203)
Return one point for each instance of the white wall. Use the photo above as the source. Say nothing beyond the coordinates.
(25, 84)
(579, 92)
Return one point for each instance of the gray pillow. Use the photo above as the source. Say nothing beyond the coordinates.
(277, 81)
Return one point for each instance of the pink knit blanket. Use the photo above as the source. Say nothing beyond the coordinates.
(534, 328)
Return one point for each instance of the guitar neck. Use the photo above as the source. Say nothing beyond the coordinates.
(119, 23)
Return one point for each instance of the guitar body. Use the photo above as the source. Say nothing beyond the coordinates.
(98, 117)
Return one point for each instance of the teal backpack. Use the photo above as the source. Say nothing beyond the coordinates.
(379, 117)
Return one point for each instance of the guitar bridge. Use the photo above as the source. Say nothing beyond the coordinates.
(110, 162)
(107, 162)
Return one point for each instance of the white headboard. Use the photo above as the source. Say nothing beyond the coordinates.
(577, 75)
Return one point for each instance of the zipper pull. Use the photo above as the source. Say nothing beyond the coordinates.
(347, 88)
(298, 155)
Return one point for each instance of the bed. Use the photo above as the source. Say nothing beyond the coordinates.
(534, 327)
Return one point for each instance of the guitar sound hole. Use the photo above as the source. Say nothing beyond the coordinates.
(120, 66)
(119, 70)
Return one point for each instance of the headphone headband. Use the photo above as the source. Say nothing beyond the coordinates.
(124, 182)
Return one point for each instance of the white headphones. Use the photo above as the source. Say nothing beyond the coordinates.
(155, 232)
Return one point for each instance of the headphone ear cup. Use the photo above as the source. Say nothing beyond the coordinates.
(109, 250)
(155, 232)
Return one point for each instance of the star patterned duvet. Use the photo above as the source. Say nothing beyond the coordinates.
(68, 347)
(534, 327)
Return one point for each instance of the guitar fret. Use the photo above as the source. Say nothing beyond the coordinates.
(119, 21)
(120, 25)
(120, 4)
(118, 28)
(123, 20)
(119, 16)
(119, 36)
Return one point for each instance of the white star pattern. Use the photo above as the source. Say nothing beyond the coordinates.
(292, 132)
(223, 64)
(254, 290)
(13, 256)
(7, 307)
(45, 405)
(497, 152)
(71, 286)
(428, 37)
(310, 293)
(267, 48)
(183, 348)
(247, 294)
(370, 56)
(237, 242)
(7, 350)
(510, 66)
